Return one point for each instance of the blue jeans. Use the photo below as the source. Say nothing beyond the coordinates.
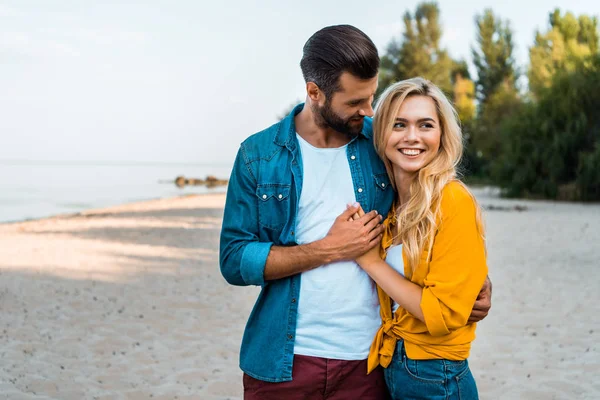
(409, 379)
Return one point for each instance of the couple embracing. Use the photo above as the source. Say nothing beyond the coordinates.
(369, 251)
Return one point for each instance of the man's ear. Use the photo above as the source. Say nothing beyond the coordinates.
(314, 93)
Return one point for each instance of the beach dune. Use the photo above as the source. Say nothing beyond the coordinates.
(128, 303)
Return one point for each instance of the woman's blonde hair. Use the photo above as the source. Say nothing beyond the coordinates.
(416, 219)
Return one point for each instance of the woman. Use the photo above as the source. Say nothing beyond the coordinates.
(433, 247)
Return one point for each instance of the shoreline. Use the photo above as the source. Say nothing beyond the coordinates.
(100, 210)
(483, 193)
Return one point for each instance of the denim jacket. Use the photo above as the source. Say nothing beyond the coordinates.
(261, 211)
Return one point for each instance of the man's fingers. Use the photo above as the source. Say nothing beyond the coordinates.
(351, 209)
(365, 219)
(488, 283)
(486, 289)
(372, 224)
(360, 211)
(477, 316)
(375, 241)
(482, 304)
(375, 230)
(480, 310)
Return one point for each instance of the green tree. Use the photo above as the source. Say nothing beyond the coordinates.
(495, 86)
(568, 41)
(493, 58)
(463, 92)
(464, 101)
(551, 148)
(418, 53)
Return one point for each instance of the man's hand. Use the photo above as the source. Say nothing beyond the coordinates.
(483, 303)
(370, 256)
(349, 238)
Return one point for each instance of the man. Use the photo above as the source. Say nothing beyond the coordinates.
(286, 228)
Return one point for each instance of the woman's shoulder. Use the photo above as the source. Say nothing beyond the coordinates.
(456, 195)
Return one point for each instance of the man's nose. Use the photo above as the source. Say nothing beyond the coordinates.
(367, 111)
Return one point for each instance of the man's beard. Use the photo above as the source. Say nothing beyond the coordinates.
(329, 119)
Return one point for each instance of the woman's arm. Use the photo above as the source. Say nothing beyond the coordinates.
(456, 273)
(404, 292)
(458, 267)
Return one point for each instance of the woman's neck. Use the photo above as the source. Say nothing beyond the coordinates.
(403, 182)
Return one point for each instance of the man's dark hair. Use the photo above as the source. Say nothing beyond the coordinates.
(337, 49)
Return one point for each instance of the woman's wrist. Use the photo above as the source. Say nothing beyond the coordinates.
(370, 265)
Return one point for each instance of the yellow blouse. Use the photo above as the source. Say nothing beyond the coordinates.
(451, 280)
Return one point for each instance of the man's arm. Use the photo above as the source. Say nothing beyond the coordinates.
(241, 255)
(244, 260)
(346, 240)
(483, 303)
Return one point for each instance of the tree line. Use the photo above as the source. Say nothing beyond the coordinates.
(540, 139)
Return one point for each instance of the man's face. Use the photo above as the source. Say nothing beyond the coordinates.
(345, 110)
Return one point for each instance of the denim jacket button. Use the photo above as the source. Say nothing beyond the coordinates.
(353, 157)
(293, 300)
(264, 196)
(290, 337)
(359, 190)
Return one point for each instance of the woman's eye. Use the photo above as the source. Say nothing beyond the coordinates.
(428, 126)
(398, 125)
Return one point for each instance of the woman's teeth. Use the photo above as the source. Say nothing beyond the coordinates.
(411, 152)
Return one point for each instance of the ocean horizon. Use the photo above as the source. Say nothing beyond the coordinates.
(33, 189)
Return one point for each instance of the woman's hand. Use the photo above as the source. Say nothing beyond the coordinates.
(407, 294)
(371, 256)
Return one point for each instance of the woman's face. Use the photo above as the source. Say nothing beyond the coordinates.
(416, 135)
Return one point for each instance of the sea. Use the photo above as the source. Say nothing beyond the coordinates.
(39, 189)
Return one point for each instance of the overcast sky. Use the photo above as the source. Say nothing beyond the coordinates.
(186, 81)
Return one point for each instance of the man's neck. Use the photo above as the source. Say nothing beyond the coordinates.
(316, 135)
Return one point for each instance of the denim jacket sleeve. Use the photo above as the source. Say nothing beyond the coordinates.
(242, 256)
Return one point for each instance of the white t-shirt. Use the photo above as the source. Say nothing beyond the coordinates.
(394, 260)
(338, 309)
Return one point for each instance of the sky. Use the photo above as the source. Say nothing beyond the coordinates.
(187, 80)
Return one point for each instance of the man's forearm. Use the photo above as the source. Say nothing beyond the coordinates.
(284, 261)
(346, 240)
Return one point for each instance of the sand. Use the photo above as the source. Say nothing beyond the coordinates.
(128, 303)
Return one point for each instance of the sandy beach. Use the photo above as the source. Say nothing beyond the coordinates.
(128, 303)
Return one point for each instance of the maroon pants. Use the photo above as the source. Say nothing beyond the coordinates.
(320, 379)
